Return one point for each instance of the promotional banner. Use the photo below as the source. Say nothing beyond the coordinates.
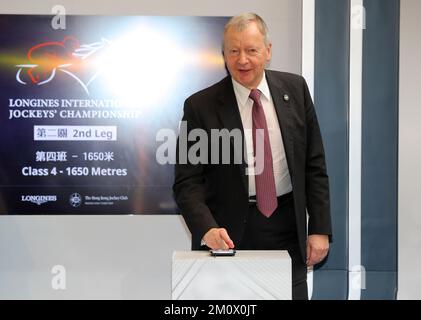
(88, 111)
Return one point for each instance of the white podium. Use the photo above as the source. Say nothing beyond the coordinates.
(249, 275)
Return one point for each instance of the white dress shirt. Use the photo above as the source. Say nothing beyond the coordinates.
(280, 166)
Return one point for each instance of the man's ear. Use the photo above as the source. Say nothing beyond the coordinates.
(269, 49)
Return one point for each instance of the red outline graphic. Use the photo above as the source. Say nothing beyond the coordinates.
(49, 57)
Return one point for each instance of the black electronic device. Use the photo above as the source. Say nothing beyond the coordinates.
(222, 253)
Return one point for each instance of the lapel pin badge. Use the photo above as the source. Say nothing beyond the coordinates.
(286, 97)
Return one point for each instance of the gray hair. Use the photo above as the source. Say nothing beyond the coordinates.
(241, 21)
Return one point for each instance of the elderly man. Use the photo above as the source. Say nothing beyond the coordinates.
(260, 203)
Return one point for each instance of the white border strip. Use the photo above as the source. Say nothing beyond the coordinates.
(308, 42)
(355, 138)
(307, 71)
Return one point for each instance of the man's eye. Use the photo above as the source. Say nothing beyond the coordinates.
(233, 51)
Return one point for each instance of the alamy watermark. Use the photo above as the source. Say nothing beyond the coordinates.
(358, 17)
(58, 281)
(197, 146)
(357, 276)
(59, 20)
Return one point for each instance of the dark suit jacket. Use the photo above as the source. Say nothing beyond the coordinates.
(216, 195)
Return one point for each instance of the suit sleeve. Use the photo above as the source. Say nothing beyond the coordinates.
(317, 183)
(189, 184)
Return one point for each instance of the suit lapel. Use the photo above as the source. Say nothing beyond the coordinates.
(229, 116)
(227, 109)
(283, 111)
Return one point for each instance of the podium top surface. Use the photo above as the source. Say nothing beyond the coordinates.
(240, 254)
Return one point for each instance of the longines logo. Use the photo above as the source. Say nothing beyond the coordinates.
(38, 199)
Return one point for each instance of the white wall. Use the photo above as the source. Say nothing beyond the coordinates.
(113, 257)
(105, 257)
(409, 264)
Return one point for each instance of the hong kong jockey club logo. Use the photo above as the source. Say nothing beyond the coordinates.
(49, 59)
(75, 200)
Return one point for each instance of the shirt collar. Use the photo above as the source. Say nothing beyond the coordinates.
(242, 93)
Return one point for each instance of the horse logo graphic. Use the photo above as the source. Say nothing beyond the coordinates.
(48, 59)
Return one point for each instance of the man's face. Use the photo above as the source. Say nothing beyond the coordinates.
(246, 55)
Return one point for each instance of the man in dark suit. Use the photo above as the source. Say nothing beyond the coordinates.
(239, 204)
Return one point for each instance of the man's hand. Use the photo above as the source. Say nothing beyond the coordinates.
(317, 248)
(218, 238)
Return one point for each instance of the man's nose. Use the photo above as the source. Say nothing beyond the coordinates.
(242, 58)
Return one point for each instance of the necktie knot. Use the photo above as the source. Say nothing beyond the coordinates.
(255, 95)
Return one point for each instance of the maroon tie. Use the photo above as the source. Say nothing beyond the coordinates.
(265, 181)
